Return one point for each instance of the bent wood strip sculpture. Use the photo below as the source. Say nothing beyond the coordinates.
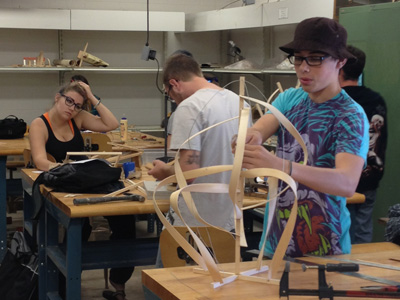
(235, 189)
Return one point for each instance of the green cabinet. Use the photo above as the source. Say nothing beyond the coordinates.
(376, 30)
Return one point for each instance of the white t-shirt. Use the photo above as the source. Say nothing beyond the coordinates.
(203, 109)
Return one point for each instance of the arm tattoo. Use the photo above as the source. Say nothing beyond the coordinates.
(193, 158)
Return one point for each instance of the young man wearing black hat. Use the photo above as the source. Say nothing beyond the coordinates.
(335, 130)
(375, 108)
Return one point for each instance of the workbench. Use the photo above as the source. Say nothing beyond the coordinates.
(7, 147)
(136, 140)
(75, 256)
(182, 283)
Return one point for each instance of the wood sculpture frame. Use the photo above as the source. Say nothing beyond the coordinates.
(236, 191)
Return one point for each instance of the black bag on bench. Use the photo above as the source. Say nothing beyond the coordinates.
(95, 176)
(12, 128)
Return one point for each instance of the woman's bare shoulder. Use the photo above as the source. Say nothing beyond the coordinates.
(37, 124)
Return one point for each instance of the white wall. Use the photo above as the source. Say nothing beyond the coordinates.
(187, 6)
(136, 96)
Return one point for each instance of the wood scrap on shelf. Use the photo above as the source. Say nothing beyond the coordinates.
(64, 62)
(84, 56)
(35, 61)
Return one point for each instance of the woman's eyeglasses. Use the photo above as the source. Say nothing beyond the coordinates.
(70, 102)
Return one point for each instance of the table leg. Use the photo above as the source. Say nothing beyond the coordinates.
(3, 207)
(50, 269)
(74, 259)
(65, 258)
(42, 255)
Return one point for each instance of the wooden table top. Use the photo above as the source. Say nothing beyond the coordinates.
(136, 140)
(99, 209)
(183, 283)
(14, 146)
(106, 209)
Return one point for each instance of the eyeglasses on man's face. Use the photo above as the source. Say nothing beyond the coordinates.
(70, 102)
(314, 60)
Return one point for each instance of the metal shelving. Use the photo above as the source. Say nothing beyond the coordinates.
(65, 69)
(139, 70)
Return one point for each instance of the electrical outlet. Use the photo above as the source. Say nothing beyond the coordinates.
(148, 53)
(145, 53)
(283, 13)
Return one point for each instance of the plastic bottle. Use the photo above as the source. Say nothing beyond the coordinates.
(123, 128)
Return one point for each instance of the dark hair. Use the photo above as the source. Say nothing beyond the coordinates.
(180, 67)
(79, 78)
(182, 51)
(354, 68)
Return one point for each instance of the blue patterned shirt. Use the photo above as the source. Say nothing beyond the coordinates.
(335, 126)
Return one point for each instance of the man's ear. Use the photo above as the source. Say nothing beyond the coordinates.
(173, 82)
(342, 62)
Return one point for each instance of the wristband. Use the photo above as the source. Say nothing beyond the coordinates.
(290, 168)
(97, 104)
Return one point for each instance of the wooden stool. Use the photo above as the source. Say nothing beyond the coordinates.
(221, 243)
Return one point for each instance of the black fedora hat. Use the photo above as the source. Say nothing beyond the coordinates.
(319, 34)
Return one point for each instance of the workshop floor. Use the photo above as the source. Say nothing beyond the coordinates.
(93, 282)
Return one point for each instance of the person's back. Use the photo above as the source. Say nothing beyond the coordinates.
(375, 108)
(200, 105)
(205, 108)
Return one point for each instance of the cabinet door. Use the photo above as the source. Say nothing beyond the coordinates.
(375, 30)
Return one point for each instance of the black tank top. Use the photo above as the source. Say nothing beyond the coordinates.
(58, 148)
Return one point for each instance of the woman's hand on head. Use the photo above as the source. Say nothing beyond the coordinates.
(87, 89)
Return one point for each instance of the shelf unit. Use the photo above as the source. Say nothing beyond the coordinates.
(79, 69)
(117, 83)
(140, 70)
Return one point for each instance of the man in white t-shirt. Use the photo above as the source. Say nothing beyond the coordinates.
(200, 104)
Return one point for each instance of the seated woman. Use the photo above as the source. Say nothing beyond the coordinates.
(57, 132)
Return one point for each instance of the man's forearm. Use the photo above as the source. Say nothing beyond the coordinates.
(189, 160)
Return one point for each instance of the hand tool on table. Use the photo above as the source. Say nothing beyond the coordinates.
(131, 197)
(326, 291)
(352, 274)
(382, 288)
(360, 262)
